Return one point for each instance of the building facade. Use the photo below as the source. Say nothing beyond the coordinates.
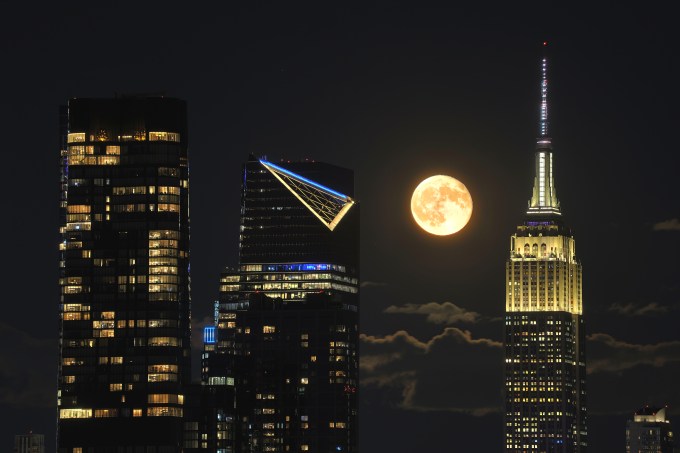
(124, 275)
(649, 432)
(545, 371)
(286, 327)
(29, 443)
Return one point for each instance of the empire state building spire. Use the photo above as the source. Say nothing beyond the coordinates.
(544, 337)
(543, 130)
(544, 197)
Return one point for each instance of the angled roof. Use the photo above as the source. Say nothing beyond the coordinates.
(327, 205)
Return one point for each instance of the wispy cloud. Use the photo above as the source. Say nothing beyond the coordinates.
(451, 371)
(638, 310)
(667, 225)
(444, 313)
(370, 284)
(608, 354)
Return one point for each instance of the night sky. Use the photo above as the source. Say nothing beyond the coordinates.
(397, 93)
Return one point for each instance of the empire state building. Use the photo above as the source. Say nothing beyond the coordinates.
(545, 370)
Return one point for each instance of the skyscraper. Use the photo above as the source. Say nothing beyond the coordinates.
(286, 332)
(545, 393)
(649, 431)
(124, 275)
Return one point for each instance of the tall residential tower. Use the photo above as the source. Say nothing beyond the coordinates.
(545, 371)
(124, 276)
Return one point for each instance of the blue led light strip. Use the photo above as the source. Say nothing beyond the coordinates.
(305, 180)
(209, 335)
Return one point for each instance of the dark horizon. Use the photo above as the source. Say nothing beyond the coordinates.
(395, 93)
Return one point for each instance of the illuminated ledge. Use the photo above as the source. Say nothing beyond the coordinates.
(514, 309)
(326, 204)
(554, 211)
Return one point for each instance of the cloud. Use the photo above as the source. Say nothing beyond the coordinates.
(457, 372)
(635, 310)
(623, 376)
(369, 284)
(28, 369)
(607, 354)
(371, 362)
(667, 225)
(444, 313)
(451, 371)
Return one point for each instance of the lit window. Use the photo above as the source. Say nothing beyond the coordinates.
(75, 413)
(105, 413)
(75, 137)
(163, 341)
(164, 411)
(162, 377)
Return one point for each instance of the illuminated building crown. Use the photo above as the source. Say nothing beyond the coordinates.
(326, 204)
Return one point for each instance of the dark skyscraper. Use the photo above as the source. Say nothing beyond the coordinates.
(649, 432)
(545, 371)
(287, 321)
(124, 276)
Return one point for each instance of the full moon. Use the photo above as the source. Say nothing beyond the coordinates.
(441, 205)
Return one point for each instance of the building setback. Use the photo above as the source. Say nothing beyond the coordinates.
(545, 370)
(124, 275)
(286, 328)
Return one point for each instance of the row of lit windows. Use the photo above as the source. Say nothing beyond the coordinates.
(164, 341)
(102, 135)
(164, 234)
(78, 226)
(141, 341)
(290, 267)
(93, 160)
(141, 207)
(121, 323)
(291, 286)
(161, 270)
(165, 398)
(163, 252)
(155, 262)
(163, 288)
(142, 190)
(162, 377)
(163, 243)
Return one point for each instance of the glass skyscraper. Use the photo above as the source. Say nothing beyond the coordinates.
(124, 275)
(286, 327)
(545, 370)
